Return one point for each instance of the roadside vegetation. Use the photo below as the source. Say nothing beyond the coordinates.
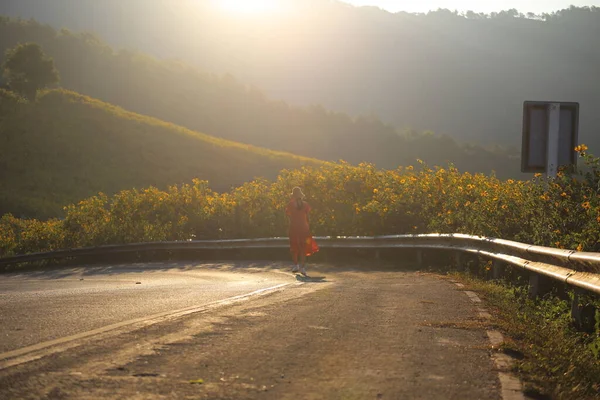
(346, 199)
(555, 360)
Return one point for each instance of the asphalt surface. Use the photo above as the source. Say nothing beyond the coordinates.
(46, 305)
(342, 334)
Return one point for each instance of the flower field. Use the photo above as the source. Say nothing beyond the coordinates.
(346, 200)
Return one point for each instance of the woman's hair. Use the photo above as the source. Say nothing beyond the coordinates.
(299, 197)
(297, 193)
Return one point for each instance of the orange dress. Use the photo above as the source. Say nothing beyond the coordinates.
(299, 230)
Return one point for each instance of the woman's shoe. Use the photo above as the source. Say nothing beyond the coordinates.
(295, 269)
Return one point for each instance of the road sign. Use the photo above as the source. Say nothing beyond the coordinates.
(550, 134)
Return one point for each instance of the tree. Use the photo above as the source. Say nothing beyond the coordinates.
(27, 69)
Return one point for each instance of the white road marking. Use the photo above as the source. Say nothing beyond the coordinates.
(511, 387)
(34, 352)
(473, 296)
(483, 313)
(495, 337)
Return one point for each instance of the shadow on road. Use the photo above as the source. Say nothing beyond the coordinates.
(248, 267)
(311, 279)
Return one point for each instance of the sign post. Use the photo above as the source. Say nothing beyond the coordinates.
(553, 139)
(550, 134)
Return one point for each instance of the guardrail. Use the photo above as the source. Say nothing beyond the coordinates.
(578, 269)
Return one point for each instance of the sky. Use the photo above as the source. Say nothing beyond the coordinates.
(486, 6)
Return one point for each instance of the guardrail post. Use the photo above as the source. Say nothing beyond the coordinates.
(575, 309)
(582, 316)
(538, 285)
(498, 268)
(458, 259)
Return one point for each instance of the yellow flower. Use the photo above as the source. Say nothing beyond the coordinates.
(580, 247)
(504, 206)
(468, 203)
(586, 205)
(375, 191)
(510, 181)
(537, 175)
(581, 148)
(563, 194)
(409, 168)
(403, 181)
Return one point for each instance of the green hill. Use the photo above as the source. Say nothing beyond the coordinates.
(222, 106)
(67, 147)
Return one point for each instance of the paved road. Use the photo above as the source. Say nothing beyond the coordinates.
(41, 306)
(373, 334)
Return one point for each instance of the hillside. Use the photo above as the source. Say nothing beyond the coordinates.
(463, 75)
(221, 106)
(68, 147)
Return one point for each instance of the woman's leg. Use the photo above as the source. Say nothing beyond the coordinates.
(295, 250)
(302, 247)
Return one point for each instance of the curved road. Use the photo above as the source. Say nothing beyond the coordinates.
(44, 305)
(241, 331)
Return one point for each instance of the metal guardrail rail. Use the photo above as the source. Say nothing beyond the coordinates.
(578, 269)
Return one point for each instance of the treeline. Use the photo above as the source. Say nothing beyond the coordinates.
(576, 14)
(221, 106)
(461, 74)
(66, 147)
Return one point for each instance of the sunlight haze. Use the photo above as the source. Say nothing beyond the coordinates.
(248, 6)
(535, 6)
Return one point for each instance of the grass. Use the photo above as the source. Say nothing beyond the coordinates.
(553, 359)
(67, 147)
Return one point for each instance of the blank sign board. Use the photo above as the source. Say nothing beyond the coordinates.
(534, 150)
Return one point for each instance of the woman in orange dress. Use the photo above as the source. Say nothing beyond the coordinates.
(301, 242)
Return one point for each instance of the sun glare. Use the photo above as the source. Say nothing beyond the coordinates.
(248, 6)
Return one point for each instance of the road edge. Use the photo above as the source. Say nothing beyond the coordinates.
(511, 387)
